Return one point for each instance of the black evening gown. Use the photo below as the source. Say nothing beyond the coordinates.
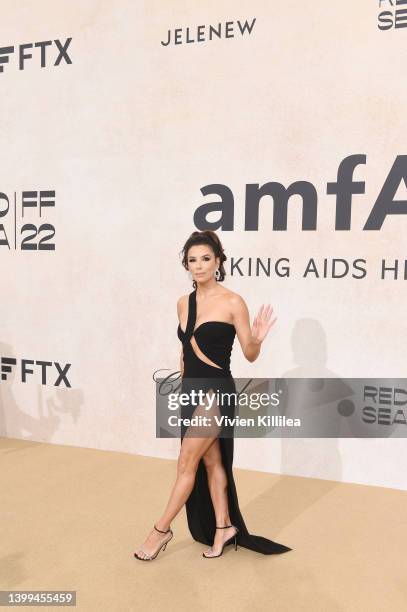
(215, 340)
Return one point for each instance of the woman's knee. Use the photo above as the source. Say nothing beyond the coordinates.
(212, 459)
(187, 462)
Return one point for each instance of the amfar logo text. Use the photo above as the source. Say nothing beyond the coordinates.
(31, 205)
(40, 55)
(393, 17)
(7, 364)
(202, 33)
(343, 189)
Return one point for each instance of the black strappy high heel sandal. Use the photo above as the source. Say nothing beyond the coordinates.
(149, 557)
(224, 543)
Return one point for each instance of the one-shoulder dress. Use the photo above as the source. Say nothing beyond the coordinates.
(214, 340)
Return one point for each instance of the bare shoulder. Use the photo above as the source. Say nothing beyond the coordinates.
(182, 302)
(235, 301)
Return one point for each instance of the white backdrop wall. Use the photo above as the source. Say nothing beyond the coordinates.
(127, 133)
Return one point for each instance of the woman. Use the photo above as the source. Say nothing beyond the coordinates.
(209, 319)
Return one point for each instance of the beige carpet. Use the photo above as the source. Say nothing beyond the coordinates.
(71, 518)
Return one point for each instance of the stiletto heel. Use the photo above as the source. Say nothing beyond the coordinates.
(149, 557)
(224, 543)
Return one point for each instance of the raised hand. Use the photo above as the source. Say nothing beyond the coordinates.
(262, 323)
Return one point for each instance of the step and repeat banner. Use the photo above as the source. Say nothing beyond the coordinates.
(126, 126)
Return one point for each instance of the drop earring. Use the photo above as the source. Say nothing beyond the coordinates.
(217, 274)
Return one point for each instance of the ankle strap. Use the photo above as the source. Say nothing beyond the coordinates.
(159, 530)
(225, 527)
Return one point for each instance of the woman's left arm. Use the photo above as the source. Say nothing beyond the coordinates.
(251, 338)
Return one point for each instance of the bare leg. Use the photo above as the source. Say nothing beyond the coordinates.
(217, 482)
(192, 449)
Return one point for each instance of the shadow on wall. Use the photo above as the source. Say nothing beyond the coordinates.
(16, 423)
(313, 458)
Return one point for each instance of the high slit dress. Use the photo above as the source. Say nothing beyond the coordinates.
(214, 340)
